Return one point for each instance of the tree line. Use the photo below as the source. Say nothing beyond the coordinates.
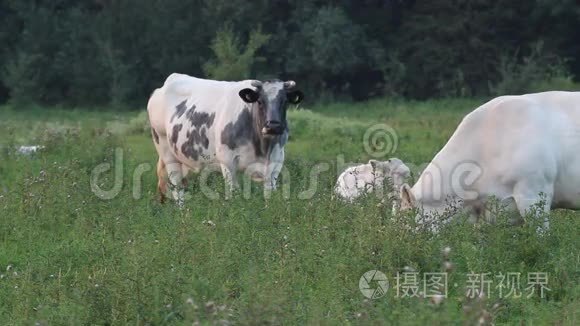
(103, 52)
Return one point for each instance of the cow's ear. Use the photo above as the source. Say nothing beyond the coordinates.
(249, 95)
(408, 200)
(295, 97)
(374, 164)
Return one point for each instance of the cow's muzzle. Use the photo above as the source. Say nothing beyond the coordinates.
(273, 128)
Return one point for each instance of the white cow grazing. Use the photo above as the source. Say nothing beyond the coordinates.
(514, 148)
(234, 125)
(367, 178)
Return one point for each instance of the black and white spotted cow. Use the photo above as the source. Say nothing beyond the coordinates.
(238, 126)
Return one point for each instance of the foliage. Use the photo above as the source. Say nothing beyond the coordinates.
(232, 62)
(531, 73)
(21, 74)
(101, 52)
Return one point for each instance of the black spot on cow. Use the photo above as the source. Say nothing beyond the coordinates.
(190, 113)
(155, 136)
(199, 119)
(196, 137)
(241, 132)
(179, 110)
(246, 130)
(196, 142)
(189, 146)
(204, 139)
(175, 135)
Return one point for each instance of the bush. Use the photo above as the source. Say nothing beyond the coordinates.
(21, 77)
(331, 52)
(116, 52)
(233, 61)
(539, 71)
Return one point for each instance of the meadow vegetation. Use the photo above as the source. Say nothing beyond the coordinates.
(69, 257)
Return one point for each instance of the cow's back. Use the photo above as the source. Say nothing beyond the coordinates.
(513, 137)
(355, 181)
(207, 95)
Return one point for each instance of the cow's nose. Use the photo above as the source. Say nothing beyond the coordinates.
(273, 127)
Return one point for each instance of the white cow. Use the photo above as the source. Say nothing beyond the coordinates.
(523, 150)
(371, 177)
(234, 125)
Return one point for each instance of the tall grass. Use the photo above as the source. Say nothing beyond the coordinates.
(68, 257)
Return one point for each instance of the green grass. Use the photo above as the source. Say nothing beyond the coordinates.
(69, 257)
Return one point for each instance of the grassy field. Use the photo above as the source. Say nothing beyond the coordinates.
(68, 257)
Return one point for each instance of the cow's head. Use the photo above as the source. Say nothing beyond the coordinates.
(407, 198)
(271, 100)
(392, 168)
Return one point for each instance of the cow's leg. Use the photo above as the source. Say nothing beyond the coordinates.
(528, 193)
(229, 174)
(185, 172)
(510, 206)
(171, 169)
(168, 168)
(175, 175)
(273, 168)
(161, 180)
(487, 211)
